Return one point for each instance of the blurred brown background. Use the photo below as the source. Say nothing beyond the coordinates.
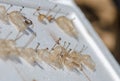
(105, 18)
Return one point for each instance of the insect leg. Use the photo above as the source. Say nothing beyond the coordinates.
(39, 65)
(57, 13)
(83, 48)
(68, 46)
(19, 73)
(21, 9)
(38, 9)
(37, 47)
(19, 37)
(53, 18)
(49, 11)
(8, 35)
(9, 7)
(57, 42)
(84, 73)
(31, 38)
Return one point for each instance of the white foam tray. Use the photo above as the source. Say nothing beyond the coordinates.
(107, 69)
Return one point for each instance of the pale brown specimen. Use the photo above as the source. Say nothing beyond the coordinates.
(67, 26)
(21, 23)
(42, 17)
(59, 56)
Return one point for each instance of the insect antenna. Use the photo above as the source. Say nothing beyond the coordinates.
(69, 50)
(64, 44)
(50, 10)
(19, 72)
(86, 75)
(36, 48)
(8, 35)
(57, 13)
(18, 37)
(38, 65)
(68, 45)
(83, 48)
(50, 18)
(56, 43)
(21, 9)
(9, 8)
(37, 9)
(62, 49)
(30, 40)
(81, 69)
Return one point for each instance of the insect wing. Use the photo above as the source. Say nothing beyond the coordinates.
(17, 20)
(87, 61)
(66, 25)
(3, 15)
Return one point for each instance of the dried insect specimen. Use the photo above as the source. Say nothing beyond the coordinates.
(55, 57)
(81, 60)
(67, 26)
(71, 59)
(42, 17)
(21, 23)
(58, 54)
(8, 49)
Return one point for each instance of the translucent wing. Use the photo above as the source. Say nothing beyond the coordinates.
(87, 60)
(17, 20)
(3, 15)
(67, 26)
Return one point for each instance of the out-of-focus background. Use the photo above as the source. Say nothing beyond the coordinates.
(105, 18)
